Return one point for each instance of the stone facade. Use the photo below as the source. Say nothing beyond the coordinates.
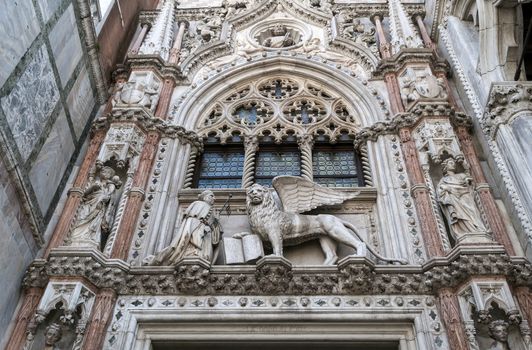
(423, 244)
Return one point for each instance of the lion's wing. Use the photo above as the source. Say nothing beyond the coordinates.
(299, 195)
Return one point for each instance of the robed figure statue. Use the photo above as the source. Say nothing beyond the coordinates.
(197, 236)
(455, 195)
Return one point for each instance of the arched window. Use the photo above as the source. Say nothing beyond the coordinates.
(294, 126)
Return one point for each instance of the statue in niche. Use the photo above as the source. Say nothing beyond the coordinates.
(455, 195)
(96, 212)
(280, 37)
(288, 227)
(198, 234)
(498, 331)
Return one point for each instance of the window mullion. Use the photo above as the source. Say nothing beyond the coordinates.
(251, 146)
(306, 143)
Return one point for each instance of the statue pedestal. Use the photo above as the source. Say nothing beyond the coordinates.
(475, 238)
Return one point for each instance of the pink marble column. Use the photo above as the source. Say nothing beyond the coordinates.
(101, 314)
(75, 193)
(140, 38)
(384, 46)
(135, 198)
(450, 316)
(421, 195)
(424, 34)
(493, 214)
(174, 52)
(32, 296)
(524, 298)
(164, 99)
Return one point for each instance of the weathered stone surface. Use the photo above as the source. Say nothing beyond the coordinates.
(51, 162)
(80, 102)
(19, 27)
(16, 250)
(66, 44)
(30, 103)
(48, 8)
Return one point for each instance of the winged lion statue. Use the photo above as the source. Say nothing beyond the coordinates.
(289, 227)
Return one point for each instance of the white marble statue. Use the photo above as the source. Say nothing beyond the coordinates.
(96, 212)
(455, 195)
(498, 332)
(288, 227)
(198, 234)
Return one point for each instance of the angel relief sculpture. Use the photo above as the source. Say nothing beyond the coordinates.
(289, 227)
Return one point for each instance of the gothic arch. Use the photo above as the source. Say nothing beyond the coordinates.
(363, 98)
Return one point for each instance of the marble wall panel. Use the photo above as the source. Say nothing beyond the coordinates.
(66, 45)
(48, 8)
(52, 162)
(17, 249)
(30, 103)
(81, 101)
(19, 27)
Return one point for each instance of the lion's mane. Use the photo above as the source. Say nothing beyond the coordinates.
(263, 214)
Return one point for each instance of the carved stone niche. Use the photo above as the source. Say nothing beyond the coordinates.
(122, 145)
(142, 89)
(437, 139)
(418, 83)
(61, 317)
(491, 317)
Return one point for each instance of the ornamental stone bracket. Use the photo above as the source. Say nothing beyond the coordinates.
(145, 120)
(352, 275)
(411, 56)
(506, 100)
(420, 110)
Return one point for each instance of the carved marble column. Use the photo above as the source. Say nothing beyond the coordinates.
(450, 314)
(101, 315)
(76, 192)
(305, 143)
(191, 167)
(174, 52)
(524, 298)
(420, 192)
(423, 31)
(164, 98)
(32, 296)
(251, 146)
(384, 46)
(140, 38)
(135, 197)
(491, 210)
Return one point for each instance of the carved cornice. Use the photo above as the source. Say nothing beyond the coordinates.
(353, 275)
(145, 120)
(398, 61)
(370, 10)
(156, 63)
(409, 119)
(506, 99)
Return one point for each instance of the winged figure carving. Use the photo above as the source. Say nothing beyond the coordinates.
(287, 226)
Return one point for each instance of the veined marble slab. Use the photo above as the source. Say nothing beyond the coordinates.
(66, 45)
(81, 101)
(51, 162)
(48, 8)
(19, 27)
(30, 102)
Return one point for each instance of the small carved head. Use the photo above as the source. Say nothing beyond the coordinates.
(498, 330)
(207, 196)
(52, 334)
(449, 165)
(106, 173)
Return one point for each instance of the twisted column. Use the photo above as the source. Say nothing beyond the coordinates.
(305, 143)
(189, 175)
(251, 146)
(366, 169)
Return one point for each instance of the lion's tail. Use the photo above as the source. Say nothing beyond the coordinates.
(380, 257)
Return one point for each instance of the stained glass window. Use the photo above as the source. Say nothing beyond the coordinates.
(274, 162)
(221, 169)
(335, 167)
